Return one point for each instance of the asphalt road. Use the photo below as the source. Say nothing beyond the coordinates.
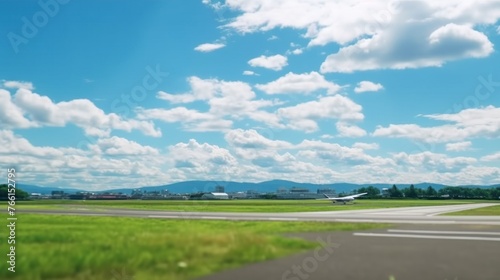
(409, 252)
(411, 215)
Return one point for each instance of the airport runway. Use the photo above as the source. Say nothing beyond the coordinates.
(409, 252)
(403, 215)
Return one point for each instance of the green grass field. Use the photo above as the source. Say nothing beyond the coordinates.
(119, 248)
(485, 211)
(237, 205)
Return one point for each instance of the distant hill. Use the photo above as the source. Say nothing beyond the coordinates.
(267, 186)
(44, 190)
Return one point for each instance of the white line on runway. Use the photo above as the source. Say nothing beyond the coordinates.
(445, 232)
(283, 219)
(164, 216)
(356, 220)
(428, 236)
(213, 218)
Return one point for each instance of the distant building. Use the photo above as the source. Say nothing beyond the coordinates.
(215, 195)
(327, 191)
(57, 194)
(238, 195)
(35, 196)
(385, 192)
(298, 193)
(282, 190)
(299, 190)
(219, 189)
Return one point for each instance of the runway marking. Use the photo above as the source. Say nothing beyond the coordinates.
(283, 219)
(445, 232)
(357, 220)
(213, 218)
(427, 236)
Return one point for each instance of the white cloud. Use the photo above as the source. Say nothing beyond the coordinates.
(303, 116)
(191, 119)
(10, 114)
(275, 62)
(18, 85)
(366, 146)
(336, 154)
(208, 47)
(365, 86)
(468, 123)
(459, 146)
(251, 139)
(226, 99)
(202, 161)
(249, 73)
(29, 109)
(378, 34)
(347, 130)
(299, 83)
(492, 157)
(93, 169)
(117, 146)
(433, 161)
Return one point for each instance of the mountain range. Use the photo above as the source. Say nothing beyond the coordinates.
(262, 187)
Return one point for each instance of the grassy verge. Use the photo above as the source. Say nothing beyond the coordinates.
(236, 205)
(484, 211)
(119, 248)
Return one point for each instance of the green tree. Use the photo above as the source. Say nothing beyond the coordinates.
(430, 192)
(395, 192)
(20, 194)
(411, 192)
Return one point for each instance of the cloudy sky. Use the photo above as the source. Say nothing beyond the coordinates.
(107, 94)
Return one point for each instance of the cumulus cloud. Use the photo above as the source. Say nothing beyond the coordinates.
(347, 130)
(365, 86)
(117, 146)
(335, 154)
(492, 157)
(459, 146)
(202, 160)
(208, 47)
(378, 34)
(299, 83)
(29, 109)
(18, 85)
(226, 100)
(251, 139)
(106, 164)
(303, 116)
(249, 73)
(366, 146)
(434, 161)
(275, 62)
(467, 124)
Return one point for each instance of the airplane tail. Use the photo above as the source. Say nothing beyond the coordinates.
(326, 195)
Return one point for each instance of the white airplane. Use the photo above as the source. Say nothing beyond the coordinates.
(343, 199)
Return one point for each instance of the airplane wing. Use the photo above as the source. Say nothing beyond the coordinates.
(354, 195)
(341, 199)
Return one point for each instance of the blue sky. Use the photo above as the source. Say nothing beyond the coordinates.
(108, 94)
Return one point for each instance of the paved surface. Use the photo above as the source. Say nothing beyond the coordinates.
(412, 215)
(409, 252)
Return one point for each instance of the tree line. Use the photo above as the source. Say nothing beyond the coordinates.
(20, 194)
(431, 193)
